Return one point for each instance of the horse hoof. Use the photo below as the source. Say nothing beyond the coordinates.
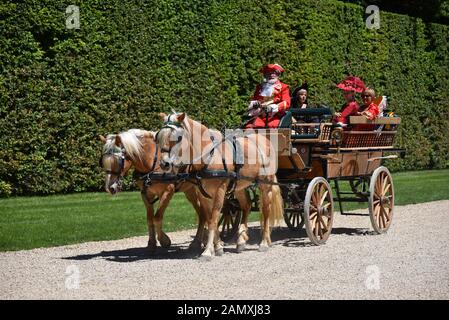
(151, 249)
(219, 252)
(263, 248)
(195, 246)
(165, 242)
(240, 247)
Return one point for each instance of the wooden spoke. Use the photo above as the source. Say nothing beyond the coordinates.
(321, 232)
(323, 197)
(382, 217)
(314, 198)
(384, 191)
(376, 210)
(315, 229)
(323, 224)
(326, 205)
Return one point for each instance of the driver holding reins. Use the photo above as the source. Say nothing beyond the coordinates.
(271, 99)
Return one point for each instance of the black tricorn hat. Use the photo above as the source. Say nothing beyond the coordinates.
(304, 86)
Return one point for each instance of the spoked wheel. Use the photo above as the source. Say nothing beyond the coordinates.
(293, 210)
(230, 219)
(318, 210)
(381, 200)
(360, 188)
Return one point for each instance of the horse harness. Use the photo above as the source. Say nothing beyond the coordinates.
(196, 177)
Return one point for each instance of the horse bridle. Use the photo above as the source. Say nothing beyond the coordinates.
(116, 152)
(122, 157)
(173, 126)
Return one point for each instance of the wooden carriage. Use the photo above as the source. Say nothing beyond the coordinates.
(312, 153)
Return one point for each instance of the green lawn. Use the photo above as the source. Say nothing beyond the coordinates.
(32, 222)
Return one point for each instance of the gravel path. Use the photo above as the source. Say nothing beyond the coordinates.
(411, 261)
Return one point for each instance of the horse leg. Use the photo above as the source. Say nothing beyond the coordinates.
(217, 207)
(214, 245)
(208, 251)
(266, 198)
(164, 199)
(245, 204)
(147, 199)
(192, 196)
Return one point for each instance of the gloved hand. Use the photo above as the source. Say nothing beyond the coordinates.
(253, 104)
(273, 108)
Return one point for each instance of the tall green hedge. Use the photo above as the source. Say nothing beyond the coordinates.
(60, 88)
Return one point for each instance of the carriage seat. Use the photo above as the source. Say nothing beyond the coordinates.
(306, 115)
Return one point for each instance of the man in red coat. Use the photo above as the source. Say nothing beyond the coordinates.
(270, 100)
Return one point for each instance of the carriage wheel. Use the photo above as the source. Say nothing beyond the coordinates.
(293, 210)
(360, 188)
(230, 219)
(318, 210)
(381, 200)
(294, 219)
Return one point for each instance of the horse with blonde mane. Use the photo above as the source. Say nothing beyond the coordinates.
(137, 148)
(212, 158)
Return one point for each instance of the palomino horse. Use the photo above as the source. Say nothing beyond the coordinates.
(210, 153)
(137, 148)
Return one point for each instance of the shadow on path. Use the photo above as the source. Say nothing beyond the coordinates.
(280, 236)
(176, 251)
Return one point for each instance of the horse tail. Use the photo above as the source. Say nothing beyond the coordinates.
(277, 205)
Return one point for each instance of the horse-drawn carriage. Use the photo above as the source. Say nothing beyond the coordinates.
(312, 153)
(309, 154)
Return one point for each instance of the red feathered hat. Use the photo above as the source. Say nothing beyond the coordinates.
(271, 67)
(352, 83)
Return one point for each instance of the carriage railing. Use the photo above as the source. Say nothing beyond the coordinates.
(382, 135)
(368, 139)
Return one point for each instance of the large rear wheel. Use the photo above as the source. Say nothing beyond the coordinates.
(381, 200)
(318, 210)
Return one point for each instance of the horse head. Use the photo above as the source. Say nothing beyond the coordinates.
(114, 163)
(121, 151)
(169, 138)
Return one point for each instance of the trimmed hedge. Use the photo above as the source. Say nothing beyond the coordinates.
(60, 88)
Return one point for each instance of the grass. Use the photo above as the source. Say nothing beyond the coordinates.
(32, 222)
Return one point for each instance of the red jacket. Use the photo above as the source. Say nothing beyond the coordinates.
(281, 97)
(372, 112)
(349, 109)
